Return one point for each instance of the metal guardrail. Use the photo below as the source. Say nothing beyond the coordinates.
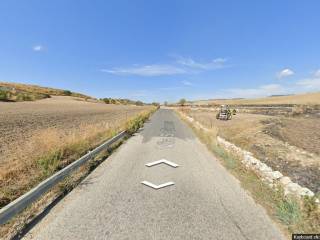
(16, 206)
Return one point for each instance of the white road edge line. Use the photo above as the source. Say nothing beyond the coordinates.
(172, 164)
(149, 184)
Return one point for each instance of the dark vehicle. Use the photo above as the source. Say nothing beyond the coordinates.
(224, 113)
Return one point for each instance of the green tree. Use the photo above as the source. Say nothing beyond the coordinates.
(67, 93)
(106, 100)
(3, 95)
(182, 101)
(139, 103)
(155, 104)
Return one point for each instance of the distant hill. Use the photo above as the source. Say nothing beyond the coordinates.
(304, 99)
(26, 92)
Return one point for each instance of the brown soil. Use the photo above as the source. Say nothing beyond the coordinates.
(301, 132)
(290, 145)
(20, 121)
(306, 99)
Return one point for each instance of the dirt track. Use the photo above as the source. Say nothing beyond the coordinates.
(19, 121)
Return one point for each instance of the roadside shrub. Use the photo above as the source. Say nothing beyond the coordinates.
(67, 93)
(46, 96)
(288, 211)
(25, 97)
(156, 104)
(311, 211)
(49, 163)
(139, 103)
(133, 125)
(4, 96)
(229, 160)
(106, 100)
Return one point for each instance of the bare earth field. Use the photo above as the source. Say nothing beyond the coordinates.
(40, 137)
(20, 121)
(287, 144)
(306, 99)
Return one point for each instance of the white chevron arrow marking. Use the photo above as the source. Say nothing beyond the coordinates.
(172, 164)
(149, 184)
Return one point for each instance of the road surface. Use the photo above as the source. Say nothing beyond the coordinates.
(205, 201)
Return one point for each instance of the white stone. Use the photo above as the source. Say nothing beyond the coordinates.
(293, 187)
(306, 192)
(264, 168)
(277, 175)
(257, 165)
(266, 173)
(247, 153)
(251, 159)
(272, 175)
(285, 181)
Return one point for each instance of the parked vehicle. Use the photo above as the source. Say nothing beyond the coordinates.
(225, 113)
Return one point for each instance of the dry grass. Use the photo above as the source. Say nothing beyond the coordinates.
(289, 145)
(51, 149)
(305, 99)
(21, 121)
(301, 132)
(56, 149)
(291, 214)
(37, 92)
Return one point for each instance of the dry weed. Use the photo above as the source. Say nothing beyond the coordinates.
(49, 150)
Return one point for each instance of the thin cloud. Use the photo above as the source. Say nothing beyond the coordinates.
(38, 48)
(187, 83)
(317, 73)
(287, 72)
(148, 70)
(180, 66)
(213, 64)
(170, 88)
(312, 83)
(261, 91)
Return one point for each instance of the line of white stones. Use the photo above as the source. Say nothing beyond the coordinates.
(261, 169)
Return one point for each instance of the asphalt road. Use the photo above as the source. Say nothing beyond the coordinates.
(205, 202)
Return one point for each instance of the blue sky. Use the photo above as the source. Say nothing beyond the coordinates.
(162, 50)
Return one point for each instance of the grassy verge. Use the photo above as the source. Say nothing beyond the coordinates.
(293, 215)
(53, 158)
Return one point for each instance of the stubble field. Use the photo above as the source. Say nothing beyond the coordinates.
(287, 144)
(36, 134)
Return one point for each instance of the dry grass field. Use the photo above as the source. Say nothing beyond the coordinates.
(37, 138)
(33, 92)
(287, 144)
(305, 99)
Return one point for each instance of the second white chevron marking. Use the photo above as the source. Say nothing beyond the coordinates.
(172, 164)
